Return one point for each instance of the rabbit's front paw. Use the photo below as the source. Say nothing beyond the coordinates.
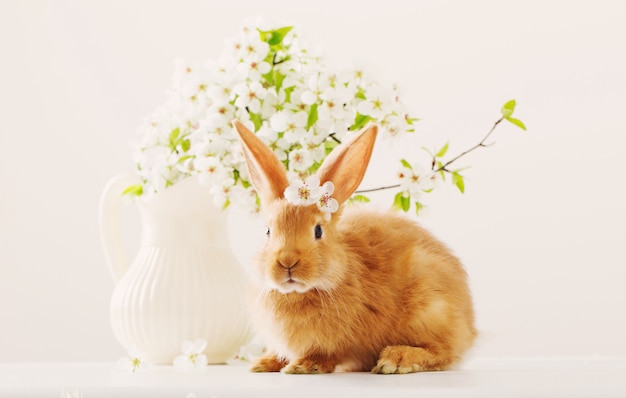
(270, 363)
(405, 359)
(308, 366)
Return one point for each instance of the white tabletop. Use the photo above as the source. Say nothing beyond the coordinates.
(476, 378)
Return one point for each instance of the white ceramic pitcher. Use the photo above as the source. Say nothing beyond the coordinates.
(184, 283)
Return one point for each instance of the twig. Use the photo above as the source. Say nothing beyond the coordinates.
(378, 189)
(444, 166)
(334, 138)
(480, 144)
(274, 62)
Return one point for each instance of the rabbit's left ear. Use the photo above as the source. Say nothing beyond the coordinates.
(267, 173)
(346, 164)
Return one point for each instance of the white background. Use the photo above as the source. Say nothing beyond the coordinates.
(540, 228)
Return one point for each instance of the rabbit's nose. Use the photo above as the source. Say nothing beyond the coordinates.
(288, 263)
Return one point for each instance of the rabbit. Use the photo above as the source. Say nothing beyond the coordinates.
(361, 290)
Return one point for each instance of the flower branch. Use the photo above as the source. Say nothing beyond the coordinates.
(414, 181)
(296, 104)
(444, 167)
(293, 101)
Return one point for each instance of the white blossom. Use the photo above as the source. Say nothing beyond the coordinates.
(326, 203)
(253, 69)
(221, 192)
(273, 103)
(253, 48)
(249, 95)
(220, 94)
(334, 102)
(271, 138)
(416, 180)
(133, 362)
(304, 192)
(293, 124)
(211, 170)
(192, 356)
(394, 125)
(294, 103)
(300, 159)
(377, 103)
(250, 352)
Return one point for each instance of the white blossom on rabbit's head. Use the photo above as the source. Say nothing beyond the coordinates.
(304, 193)
(308, 192)
(326, 203)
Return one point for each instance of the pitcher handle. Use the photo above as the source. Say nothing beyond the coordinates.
(109, 223)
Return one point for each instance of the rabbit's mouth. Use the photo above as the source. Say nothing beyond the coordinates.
(291, 284)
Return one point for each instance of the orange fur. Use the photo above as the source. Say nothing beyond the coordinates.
(377, 292)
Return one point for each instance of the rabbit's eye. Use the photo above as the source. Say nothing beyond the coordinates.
(318, 231)
(267, 232)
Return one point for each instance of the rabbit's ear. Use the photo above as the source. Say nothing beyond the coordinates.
(346, 164)
(267, 173)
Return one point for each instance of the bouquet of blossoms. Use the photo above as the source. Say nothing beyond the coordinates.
(298, 106)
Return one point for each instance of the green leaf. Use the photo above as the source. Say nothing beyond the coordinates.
(183, 158)
(185, 144)
(257, 120)
(275, 37)
(245, 183)
(402, 202)
(360, 94)
(174, 136)
(329, 145)
(274, 78)
(312, 116)
(359, 199)
(288, 92)
(269, 79)
(418, 207)
(360, 121)
(133, 190)
(457, 180)
(442, 151)
(508, 108)
(278, 79)
(406, 164)
(516, 122)
(411, 120)
(406, 203)
(238, 179)
(397, 201)
(279, 34)
(265, 35)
